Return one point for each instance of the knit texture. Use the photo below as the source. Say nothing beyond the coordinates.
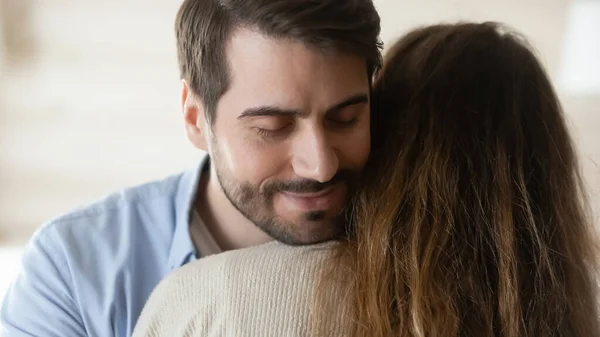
(260, 291)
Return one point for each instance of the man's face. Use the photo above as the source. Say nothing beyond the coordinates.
(290, 136)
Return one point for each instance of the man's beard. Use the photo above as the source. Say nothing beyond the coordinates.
(257, 205)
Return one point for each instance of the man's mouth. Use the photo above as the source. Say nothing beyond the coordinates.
(314, 201)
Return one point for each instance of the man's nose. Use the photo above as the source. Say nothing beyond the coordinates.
(315, 157)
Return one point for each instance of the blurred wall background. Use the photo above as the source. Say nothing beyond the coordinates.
(89, 92)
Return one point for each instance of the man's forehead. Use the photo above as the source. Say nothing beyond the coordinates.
(284, 74)
(253, 51)
(294, 102)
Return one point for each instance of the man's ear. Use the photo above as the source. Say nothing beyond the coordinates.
(194, 118)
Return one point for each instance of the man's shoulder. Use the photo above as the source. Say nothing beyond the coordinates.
(123, 226)
(98, 264)
(120, 211)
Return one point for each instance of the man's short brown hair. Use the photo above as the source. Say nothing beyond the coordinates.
(203, 28)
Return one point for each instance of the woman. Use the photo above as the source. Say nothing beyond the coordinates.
(471, 221)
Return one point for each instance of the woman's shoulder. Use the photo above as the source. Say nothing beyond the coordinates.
(272, 266)
(263, 257)
(231, 290)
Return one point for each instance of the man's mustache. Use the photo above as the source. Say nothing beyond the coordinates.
(308, 185)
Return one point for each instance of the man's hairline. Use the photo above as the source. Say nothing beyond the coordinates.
(236, 28)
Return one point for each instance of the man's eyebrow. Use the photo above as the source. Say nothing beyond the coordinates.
(352, 100)
(268, 110)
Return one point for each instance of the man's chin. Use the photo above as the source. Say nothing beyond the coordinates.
(306, 233)
(295, 241)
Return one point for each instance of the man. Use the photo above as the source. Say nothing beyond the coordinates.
(277, 93)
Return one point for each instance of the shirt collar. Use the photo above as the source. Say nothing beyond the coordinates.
(182, 248)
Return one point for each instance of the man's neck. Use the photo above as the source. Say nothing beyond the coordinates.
(230, 228)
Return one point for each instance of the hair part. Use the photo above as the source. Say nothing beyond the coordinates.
(203, 28)
(472, 220)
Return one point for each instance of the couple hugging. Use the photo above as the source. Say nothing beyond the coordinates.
(434, 191)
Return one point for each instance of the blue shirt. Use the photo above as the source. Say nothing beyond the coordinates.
(90, 272)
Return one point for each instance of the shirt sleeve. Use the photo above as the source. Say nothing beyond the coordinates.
(187, 303)
(40, 302)
(166, 312)
(153, 321)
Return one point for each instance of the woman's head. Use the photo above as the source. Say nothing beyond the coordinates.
(472, 222)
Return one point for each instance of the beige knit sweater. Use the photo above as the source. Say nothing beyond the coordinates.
(260, 291)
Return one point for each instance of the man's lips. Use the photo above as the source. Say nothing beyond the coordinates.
(310, 195)
(314, 201)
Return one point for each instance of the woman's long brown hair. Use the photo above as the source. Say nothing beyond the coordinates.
(472, 221)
